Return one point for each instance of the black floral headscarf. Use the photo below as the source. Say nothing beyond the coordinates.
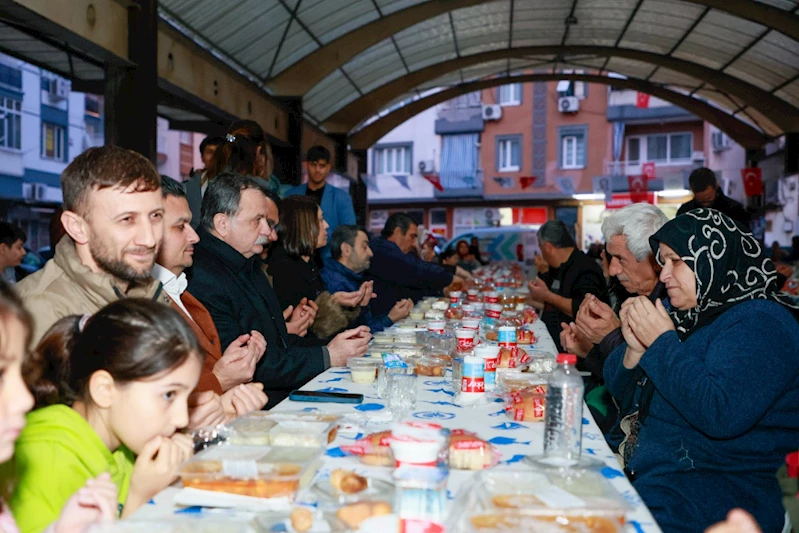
(728, 264)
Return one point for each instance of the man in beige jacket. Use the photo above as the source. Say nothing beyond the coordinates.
(113, 217)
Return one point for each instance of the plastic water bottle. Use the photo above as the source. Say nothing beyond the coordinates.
(563, 432)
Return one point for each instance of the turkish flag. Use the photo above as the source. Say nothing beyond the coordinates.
(642, 100)
(648, 170)
(638, 188)
(435, 180)
(753, 181)
(527, 182)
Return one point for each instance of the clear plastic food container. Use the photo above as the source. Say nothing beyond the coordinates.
(261, 472)
(548, 520)
(433, 365)
(534, 487)
(331, 420)
(300, 433)
(514, 380)
(363, 370)
(250, 431)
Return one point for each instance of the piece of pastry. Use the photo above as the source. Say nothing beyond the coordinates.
(354, 514)
(515, 501)
(301, 519)
(492, 336)
(467, 451)
(347, 481)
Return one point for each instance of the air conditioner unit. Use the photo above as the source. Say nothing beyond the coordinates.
(698, 159)
(568, 104)
(427, 165)
(59, 89)
(492, 112)
(720, 141)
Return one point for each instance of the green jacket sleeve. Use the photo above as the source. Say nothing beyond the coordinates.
(44, 482)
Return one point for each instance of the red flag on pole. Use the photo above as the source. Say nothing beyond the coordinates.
(527, 182)
(642, 101)
(648, 170)
(638, 188)
(753, 181)
(435, 180)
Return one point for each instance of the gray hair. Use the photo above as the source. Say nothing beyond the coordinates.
(557, 234)
(637, 222)
(224, 196)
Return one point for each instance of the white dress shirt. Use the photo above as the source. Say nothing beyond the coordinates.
(173, 285)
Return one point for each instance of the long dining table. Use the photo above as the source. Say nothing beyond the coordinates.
(435, 403)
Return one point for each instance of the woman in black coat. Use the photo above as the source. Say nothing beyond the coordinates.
(295, 276)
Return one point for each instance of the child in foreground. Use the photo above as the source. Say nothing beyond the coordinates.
(112, 397)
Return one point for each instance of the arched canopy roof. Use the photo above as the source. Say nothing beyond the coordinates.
(349, 59)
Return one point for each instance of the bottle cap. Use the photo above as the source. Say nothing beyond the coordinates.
(567, 358)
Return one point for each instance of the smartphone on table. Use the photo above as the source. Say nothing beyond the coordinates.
(324, 397)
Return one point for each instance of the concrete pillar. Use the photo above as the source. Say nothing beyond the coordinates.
(295, 156)
(131, 93)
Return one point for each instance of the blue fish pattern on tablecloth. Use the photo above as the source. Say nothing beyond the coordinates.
(346, 372)
(442, 391)
(586, 422)
(370, 407)
(434, 383)
(449, 404)
(332, 380)
(310, 410)
(514, 459)
(505, 441)
(509, 426)
(331, 389)
(434, 415)
(611, 473)
(498, 413)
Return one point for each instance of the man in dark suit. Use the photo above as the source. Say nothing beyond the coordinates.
(228, 281)
(708, 194)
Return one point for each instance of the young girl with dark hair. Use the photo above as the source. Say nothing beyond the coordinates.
(94, 500)
(112, 397)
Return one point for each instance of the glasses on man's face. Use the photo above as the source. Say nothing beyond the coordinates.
(272, 224)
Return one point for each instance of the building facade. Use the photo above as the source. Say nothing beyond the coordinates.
(527, 153)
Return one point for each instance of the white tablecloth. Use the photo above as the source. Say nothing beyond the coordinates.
(514, 440)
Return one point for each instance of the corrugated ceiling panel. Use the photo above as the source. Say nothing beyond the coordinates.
(717, 39)
(782, 4)
(790, 93)
(759, 121)
(659, 25)
(297, 45)
(599, 21)
(482, 28)
(332, 94)
(390, 6)
(628, 67)
(672, 77)
(775, 59)
(328, 19)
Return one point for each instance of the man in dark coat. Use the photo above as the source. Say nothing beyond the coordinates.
(228, 280)
(708, 194)
(397, 273)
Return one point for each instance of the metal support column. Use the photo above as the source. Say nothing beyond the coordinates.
(294, 133)
(358, 190)
(791, 154)
(131, 93)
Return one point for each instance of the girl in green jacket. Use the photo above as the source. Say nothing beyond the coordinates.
(94, 501)
(115, 387)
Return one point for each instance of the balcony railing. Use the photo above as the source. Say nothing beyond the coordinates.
(635, 168)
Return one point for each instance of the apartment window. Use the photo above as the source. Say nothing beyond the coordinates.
(509, 157)
(633, 150)
(661, 148)
(572, 88)
(572, 146)
(10, 123)
(510, 94)
(53, 141)
(393, 159)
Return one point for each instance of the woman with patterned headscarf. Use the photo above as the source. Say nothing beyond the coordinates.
(716, 377)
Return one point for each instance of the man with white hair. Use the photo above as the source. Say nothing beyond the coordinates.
(596, 330)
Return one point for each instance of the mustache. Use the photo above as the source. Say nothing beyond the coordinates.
(141, 250)
(261, 241)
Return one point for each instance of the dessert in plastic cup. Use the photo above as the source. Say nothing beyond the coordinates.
(416, 443)
(436, 326)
